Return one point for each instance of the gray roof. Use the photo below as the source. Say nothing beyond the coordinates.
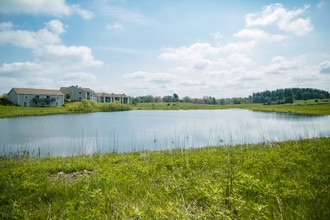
(37, 91)
(83, 89)
(100, 94)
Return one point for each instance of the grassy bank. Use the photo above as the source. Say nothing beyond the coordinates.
(321, 107)
(288, 180)
(84, 106)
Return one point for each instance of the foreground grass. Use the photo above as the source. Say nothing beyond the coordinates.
(288, 180)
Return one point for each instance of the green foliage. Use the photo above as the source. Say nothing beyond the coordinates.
(275, 181)
(289, 95)
(85, 106)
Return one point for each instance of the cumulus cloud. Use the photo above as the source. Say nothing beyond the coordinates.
(46, 46)
(122, 15)
(52, 59)
(79, 76)
(257, 34)
(32, 40)
(157, 77)
(73, 56)
(280, 65)
(115, 26)
(42, 7)
(324, 67)
(11, 69)
(291, 21)
(200, 56)
(6, 26)
(56, 26)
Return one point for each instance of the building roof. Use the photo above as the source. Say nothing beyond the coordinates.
(37, 91)
(83, 89)
(100, 94)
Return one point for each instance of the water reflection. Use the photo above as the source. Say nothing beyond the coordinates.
(61, 135)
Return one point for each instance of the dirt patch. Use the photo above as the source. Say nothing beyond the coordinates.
(70, 177)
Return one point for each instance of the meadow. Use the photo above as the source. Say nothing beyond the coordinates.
(321, 107)
(84, 106)
(308, 107)
(288, 180)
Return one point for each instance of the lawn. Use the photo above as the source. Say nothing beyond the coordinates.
(288, 180)
(322, 107)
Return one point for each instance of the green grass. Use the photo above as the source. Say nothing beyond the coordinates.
(288, 180)
(69, 108)
(322, 107)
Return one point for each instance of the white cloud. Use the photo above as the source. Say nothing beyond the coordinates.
(85, 14)
(292, 21)
(33, 40)
(157, 77)
(257, 34)
(4, 26)
(239, 46)
(123, 15)
(52, 59)
(70, 56)
(217, 35)
(56, 26)
(19, 67)
(324, 67)
(322, 4)
(280, 65)
(42, 7)
(115, 26)
(79, 76)
(237, 58)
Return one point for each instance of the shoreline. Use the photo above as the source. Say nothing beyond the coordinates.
(69, 108)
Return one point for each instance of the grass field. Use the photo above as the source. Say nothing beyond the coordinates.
(288, 180)
(322, 107)
(69, 108)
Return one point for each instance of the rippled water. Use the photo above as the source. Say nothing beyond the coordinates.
(62, 135)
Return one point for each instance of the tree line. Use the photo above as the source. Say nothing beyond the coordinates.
(278, 96)
(281, 96)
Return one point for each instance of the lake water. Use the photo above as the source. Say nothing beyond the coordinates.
(62, 135)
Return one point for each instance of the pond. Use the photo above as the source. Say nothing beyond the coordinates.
(78, 134)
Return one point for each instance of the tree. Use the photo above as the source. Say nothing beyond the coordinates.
(68, 96)
(175, 97)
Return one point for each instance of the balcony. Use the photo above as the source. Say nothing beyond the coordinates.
(43, 101)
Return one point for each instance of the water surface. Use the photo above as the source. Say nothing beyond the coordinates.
(62, 135)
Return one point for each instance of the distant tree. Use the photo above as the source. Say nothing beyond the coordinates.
(175, 97)
(68, 96)
(4, 96)
(167, 98)
(288, 100)
(186, 99)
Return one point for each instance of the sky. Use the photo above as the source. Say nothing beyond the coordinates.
(192, 48)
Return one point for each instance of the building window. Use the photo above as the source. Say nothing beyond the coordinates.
(80, 93)
(25, 97)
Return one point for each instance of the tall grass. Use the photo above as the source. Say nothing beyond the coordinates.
(90, 106)
(288, 180)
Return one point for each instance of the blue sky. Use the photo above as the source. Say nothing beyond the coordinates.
(144, 47)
